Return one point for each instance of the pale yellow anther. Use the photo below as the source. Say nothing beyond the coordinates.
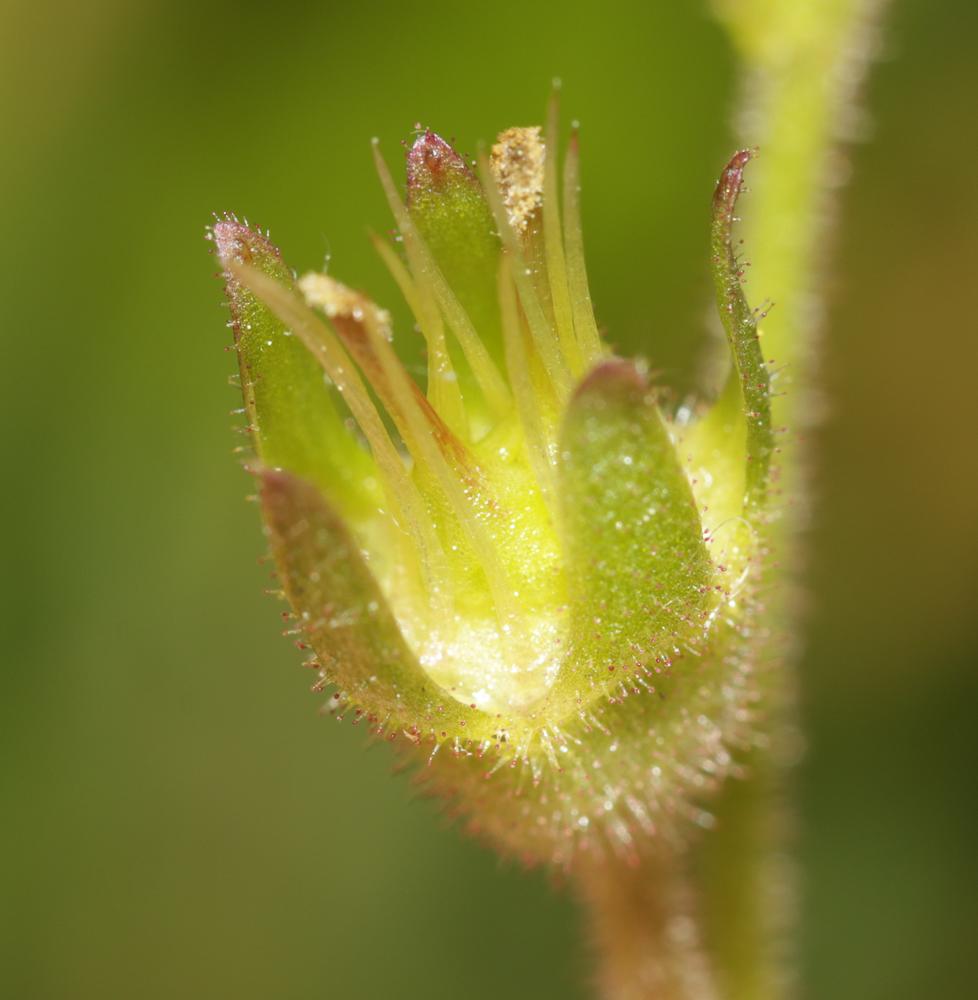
(336, 299)
(517, 167)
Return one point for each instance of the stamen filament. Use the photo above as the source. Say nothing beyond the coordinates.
(443, 389)
(526, 402)
(580, 295)
(554, 246)
(544, 337)
(427, 452)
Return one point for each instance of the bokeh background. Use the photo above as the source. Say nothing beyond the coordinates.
(175, 819)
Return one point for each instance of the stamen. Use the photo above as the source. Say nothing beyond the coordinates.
(443, 390)
(366, 329)
(461, 500)
(346, 309)
(584, 325)
(554, 246)
(517, 163)
(544, 336)
(517, 364)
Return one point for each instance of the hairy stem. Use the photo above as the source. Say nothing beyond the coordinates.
(645, 930)
(747, 884)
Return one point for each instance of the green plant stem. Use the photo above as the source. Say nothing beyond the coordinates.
(644, 928)
(747, 884)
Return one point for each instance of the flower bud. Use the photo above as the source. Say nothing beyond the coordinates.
(525, 573)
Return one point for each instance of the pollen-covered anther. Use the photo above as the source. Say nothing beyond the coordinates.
(338, 300)
(517, 167)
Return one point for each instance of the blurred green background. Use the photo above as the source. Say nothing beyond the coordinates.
(177, 821)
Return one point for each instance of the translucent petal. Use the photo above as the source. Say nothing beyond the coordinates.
(346, 620)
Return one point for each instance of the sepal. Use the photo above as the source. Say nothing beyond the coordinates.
(294, 419)
(639, 576)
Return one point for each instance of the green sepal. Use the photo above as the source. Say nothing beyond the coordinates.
(294, 421)
(639, 576)
(749, 369)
